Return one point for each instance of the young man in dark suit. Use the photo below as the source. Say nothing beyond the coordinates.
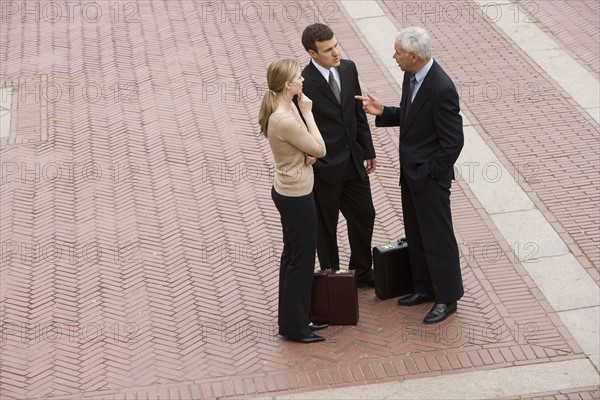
(431, 138)
(341, 177)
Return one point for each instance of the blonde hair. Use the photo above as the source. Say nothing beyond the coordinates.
(278, 73)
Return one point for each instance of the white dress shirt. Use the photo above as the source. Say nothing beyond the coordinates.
(419, 76)
(325, 72)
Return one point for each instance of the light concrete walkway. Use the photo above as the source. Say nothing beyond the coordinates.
(560, 277)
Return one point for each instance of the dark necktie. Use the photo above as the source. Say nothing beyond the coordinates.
(334, 87)
(411, 89)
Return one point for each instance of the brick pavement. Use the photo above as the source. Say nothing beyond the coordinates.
(147, 268)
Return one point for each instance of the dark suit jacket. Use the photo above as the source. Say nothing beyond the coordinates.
(431, 134)
(344, 128)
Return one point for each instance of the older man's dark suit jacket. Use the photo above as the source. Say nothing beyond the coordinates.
(345, 131)
(431, 134)
(431, 138)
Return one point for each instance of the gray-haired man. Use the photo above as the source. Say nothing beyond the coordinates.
(431, 138)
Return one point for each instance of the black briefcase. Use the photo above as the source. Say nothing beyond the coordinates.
(334, 299)
(391, 265)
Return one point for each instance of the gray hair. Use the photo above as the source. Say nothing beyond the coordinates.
(415, 39)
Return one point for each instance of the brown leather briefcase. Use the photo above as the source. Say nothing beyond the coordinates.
(334, 299)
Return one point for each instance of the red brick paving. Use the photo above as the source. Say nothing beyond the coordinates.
(166, 280)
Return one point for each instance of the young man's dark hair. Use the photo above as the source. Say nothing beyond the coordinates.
(315, 33)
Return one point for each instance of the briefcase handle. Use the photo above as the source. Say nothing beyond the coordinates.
(330, 271)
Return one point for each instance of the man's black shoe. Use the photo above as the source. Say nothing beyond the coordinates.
(311, 339)
(439, 312)
(317, 327)
(414, 299)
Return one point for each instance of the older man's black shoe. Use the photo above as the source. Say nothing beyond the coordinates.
(311, 339)
(317, 327)
(439, 312)
(414, 299)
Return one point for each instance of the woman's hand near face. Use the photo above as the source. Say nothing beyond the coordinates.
(304, 104)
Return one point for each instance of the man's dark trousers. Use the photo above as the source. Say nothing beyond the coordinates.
(432, 245)
(352, 196)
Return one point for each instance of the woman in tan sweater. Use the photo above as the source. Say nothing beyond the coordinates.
(295, 145)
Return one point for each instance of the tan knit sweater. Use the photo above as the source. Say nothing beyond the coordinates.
(290, 141)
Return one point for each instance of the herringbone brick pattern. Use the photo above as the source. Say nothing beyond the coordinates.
(140, 244)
